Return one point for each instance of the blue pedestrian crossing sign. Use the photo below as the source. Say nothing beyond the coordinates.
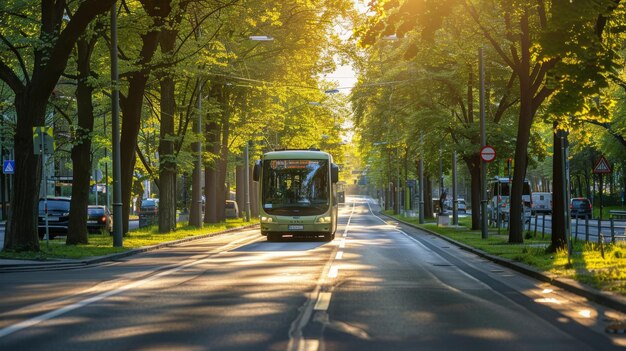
(8, 167)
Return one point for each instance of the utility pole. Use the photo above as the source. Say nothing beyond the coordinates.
(455, 201)
(117, 156)
(421, 187)
(483, 143)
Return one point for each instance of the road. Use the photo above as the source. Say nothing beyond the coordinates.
(375, 287)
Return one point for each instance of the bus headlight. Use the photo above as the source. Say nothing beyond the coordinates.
(266, 219)
(324, 219)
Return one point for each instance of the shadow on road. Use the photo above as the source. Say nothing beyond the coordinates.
(288, 244)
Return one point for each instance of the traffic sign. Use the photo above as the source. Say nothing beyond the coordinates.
(8, 167)
(602, 166)
(43, 140)
(488, 153)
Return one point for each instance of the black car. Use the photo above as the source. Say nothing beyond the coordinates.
(580, 207)
(148, 213)
(58, 210)
(99, 219)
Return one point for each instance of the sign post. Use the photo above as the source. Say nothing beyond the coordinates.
(600, 168)
(43, 144)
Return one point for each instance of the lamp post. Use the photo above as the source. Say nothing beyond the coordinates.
(116, 152)
(483, 142)
(421, 187)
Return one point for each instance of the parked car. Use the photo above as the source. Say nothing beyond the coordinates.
(232, 209)
(542, 202)
(99, 219)
(461, 206)
(148, 212)
(58, 212)
(580, 207)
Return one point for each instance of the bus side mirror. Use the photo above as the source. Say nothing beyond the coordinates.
(256, 171)
(334, 173)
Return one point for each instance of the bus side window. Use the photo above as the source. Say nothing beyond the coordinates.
(256, 171)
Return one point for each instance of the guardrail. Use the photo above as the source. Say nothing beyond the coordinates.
(613, 215)
(585, 228)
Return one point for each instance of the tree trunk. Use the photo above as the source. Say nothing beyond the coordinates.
(132, 104)
(428, 196)
(559, 240)
(167, 158)
(22, 230)
(473, 166)
(222, 162)
(81, 151)
(526, 115)
(195, 215)
(30, 105)
(210, 184)
(239, 193)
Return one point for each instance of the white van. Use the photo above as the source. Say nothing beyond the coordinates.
(542, 202)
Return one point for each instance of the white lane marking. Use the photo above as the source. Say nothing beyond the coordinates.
(309, 345)
(296, 342)
(63, 310)
(334, 272)
(323, 301)
(428, 249)
(339, 255)
(342, 243)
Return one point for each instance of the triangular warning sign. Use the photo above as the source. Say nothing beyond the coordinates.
(8, 168)
(602, 166)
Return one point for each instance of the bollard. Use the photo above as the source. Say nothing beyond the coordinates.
(536, 220)
(612, 231)
(601, 239)
(599, 229)
(586, 229)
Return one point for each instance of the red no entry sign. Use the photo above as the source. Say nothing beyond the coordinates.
(488, 153)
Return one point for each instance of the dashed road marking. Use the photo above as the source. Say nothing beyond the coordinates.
(334, 272)
(339, 255)
(323, 301)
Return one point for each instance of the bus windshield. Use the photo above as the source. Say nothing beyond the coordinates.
(295, 187)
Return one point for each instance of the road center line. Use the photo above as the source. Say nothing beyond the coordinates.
(323, 301)
(296, 341)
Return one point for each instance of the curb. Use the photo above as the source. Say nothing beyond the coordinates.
(57, 265)
(604, 298)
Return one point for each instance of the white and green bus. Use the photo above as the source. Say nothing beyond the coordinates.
(297, 194)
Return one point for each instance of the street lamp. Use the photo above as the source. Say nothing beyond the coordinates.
(260, 38)
(115, 130)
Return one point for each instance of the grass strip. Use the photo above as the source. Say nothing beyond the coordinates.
(102, 244)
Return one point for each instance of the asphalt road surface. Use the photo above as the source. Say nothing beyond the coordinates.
(375, 287)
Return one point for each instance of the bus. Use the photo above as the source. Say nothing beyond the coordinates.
(499, 205)
(297, 194)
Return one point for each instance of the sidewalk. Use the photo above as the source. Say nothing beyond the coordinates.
(606, 298)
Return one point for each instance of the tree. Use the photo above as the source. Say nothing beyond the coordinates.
(47, 57)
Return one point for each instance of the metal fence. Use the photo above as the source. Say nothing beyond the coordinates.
(612, 229)
(587, 229)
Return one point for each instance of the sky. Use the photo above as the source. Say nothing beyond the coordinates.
(345, 75)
